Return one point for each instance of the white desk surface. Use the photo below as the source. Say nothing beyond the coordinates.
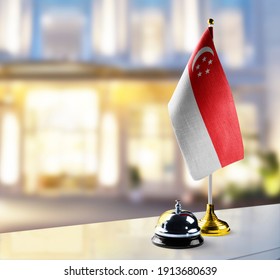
(255, 234)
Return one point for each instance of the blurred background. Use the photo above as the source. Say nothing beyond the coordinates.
(84, 85)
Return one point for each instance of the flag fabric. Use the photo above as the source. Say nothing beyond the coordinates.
(203, 113)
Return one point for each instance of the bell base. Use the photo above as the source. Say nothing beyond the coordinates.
(210, 225)
(177, 243)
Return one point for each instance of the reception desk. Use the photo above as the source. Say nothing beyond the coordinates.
(255, 234)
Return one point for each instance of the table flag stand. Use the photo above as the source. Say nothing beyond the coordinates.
(210, 225)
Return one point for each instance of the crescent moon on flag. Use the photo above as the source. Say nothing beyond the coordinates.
(200, 52)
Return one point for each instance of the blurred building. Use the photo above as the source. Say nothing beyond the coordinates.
(85, 85)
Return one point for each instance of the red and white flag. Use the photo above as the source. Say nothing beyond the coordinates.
(203, 113)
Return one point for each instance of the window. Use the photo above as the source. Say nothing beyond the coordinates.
(10, 143)
(61, 139)
(150, 145)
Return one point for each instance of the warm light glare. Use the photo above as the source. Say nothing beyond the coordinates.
(151, 150)
(61, 139)
(109, 170)
(9, 168)
(68, 108)
(151, 122)
(241, 174)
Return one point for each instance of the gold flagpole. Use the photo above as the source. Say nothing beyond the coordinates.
(210, 225)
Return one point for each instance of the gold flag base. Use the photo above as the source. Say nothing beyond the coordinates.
(210, 225)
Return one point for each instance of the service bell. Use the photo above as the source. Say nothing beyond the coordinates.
(177, 229)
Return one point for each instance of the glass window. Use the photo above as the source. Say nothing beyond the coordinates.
(109, 27)
(62, 35)
(148, 31)
(61, 139)
(185, 25)
(237, 37)
(10, 143)
(15, 28)
(150, 144)
(109, 165)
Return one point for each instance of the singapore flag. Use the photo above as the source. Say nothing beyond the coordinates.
(203, 113)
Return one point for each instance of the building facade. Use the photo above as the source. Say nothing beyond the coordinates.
(85, 85)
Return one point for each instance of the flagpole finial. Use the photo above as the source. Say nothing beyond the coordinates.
(210, 26)
(211, 21)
